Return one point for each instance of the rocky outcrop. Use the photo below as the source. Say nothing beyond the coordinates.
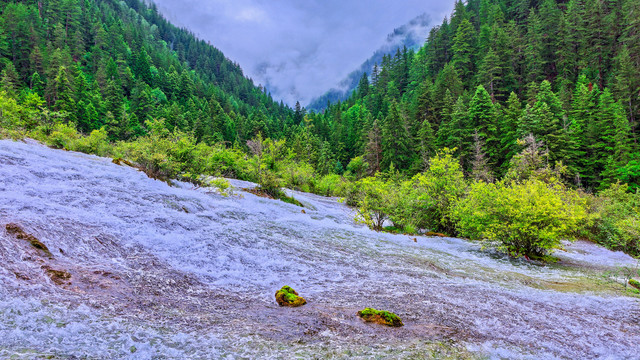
(17, 231)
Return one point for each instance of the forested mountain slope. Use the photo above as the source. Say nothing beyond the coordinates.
(410, 35)
(515, 123)
(118, 63)
(495, 72)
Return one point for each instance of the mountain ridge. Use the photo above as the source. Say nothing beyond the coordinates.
(411, 35)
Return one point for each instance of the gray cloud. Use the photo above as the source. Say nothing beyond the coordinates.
(298, 49)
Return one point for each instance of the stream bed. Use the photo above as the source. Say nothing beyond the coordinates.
(175, 272)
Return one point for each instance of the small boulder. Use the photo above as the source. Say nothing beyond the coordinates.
(289, 297)
(635, 283)
(380, 317)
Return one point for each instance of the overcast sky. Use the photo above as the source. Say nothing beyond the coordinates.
(298, 48)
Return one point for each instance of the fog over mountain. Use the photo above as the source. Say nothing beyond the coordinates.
(298, 50)
(411, 35)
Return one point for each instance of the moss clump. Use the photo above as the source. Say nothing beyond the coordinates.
(380, 317)
(120, 161)
(274, 194)
(289, 297)
(635, 283)
(19, 233)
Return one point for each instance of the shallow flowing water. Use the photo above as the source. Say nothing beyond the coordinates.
(177, 272)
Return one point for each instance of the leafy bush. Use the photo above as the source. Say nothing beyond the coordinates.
(429, 197)
(63, 136)
(331, 185)
(96, 143)
(165, 155)
(615, 217)
(528, 218)
(376, 198)
(268, 156)
(222, 186)
(231, 163)
(10, 112)
(357, 168)
(298, 176)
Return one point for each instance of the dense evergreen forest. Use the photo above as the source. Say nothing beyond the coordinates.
(516, 122)
(495, 72)
(119, 63)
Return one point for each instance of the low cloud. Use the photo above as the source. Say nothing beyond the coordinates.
(297, 49)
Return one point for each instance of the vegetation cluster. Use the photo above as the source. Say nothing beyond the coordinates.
(516, 122)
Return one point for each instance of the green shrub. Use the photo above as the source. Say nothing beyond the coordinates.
(222, 186)
(529, 218)
(376, 199)
(230, 163)
(96, 143)
(297, 176)
(165, 155)
(615, 219)
(330, 185)
(428, 199)
(357, 168)
(63, 136)
(10, 112)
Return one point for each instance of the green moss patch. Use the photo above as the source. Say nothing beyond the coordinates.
(289, 297)
(274, 194)
(635, 283)
(120, 161)
(380, 317)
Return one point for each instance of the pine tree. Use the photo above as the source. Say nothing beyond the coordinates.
(36, 84)
(114, 102)
(509, 130)
(626, 84)
(490, 74)
(373, 150)
(464, 49)
(602, 132)
(363, 86)
(457, 132)
(483, 119)
(426, 144)
(298, 114)
(4, 44)
(10, 79)
(447, 81)
(572, 34)
(621, 145)
(64, 95)
(396, 143)
(142, 68)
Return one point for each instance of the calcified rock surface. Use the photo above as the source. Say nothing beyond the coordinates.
(152, 271)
